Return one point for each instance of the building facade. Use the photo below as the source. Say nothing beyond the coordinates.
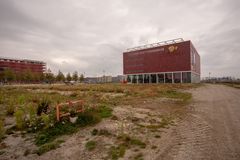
(21, 65)
(173, 61)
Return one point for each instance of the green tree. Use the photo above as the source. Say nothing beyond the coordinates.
(9, 75)
(49, 77)
(81, 78)
(69, 78)
(60, 76)
(75, 76)
(28, 75)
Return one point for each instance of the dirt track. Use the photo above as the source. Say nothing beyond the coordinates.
(211, 130)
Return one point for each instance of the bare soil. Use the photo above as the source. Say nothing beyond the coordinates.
(211, 129)
(208, 128)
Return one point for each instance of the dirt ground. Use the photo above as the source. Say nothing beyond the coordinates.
(211, 130)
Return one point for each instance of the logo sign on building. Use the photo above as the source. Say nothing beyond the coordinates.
(172, 49)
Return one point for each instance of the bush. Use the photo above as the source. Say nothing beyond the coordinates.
(43, 106)
(19, 116)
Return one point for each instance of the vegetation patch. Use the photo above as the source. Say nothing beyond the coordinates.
(129, 141)
(104, 111)
(90, 145)
(48, 146)
(50, 134)
(2, 130)
(183, 96)
(117, 152)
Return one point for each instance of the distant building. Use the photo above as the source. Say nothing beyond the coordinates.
(118, 79)
(104, 79)
(21, 65)
(173, 61)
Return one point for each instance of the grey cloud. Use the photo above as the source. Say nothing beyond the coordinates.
(90, 36)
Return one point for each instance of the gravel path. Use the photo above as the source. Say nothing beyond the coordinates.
(211, 130)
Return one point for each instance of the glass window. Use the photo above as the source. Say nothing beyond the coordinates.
(168, 77)
(146, 78)
(153, 78)
(160, 78)
(134, 79)
(177, 77)
(140, 78)
(186, 77)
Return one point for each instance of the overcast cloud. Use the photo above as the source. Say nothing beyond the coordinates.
(89, 36)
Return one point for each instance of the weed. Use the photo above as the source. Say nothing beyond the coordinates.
(94, 132)
(21, 99)
(43, 106)
(10, 108)
(48, 146)
(90, 145)
(104, 111)
(154, 147)
(52, 133)
(19, 116)
(104, 132)
(128, 141)
(88, 118)
(138, 143)
(2, 130)
(176, 95)
(117, 152)
(46, 120)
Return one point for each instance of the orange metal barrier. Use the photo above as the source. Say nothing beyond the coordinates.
(69, 104)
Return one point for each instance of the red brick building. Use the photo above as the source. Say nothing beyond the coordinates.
(21, 65)
(173, 61)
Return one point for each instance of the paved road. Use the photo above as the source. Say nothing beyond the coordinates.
(211, 131)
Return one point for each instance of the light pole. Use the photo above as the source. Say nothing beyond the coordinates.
(209, 76)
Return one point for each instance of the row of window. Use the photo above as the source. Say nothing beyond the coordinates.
(184, 77)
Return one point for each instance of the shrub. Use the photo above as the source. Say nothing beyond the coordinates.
(2, 130)
(90, 145)
(19, 116)
(43, 106)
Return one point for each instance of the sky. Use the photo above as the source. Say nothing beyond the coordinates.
(89, 36)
